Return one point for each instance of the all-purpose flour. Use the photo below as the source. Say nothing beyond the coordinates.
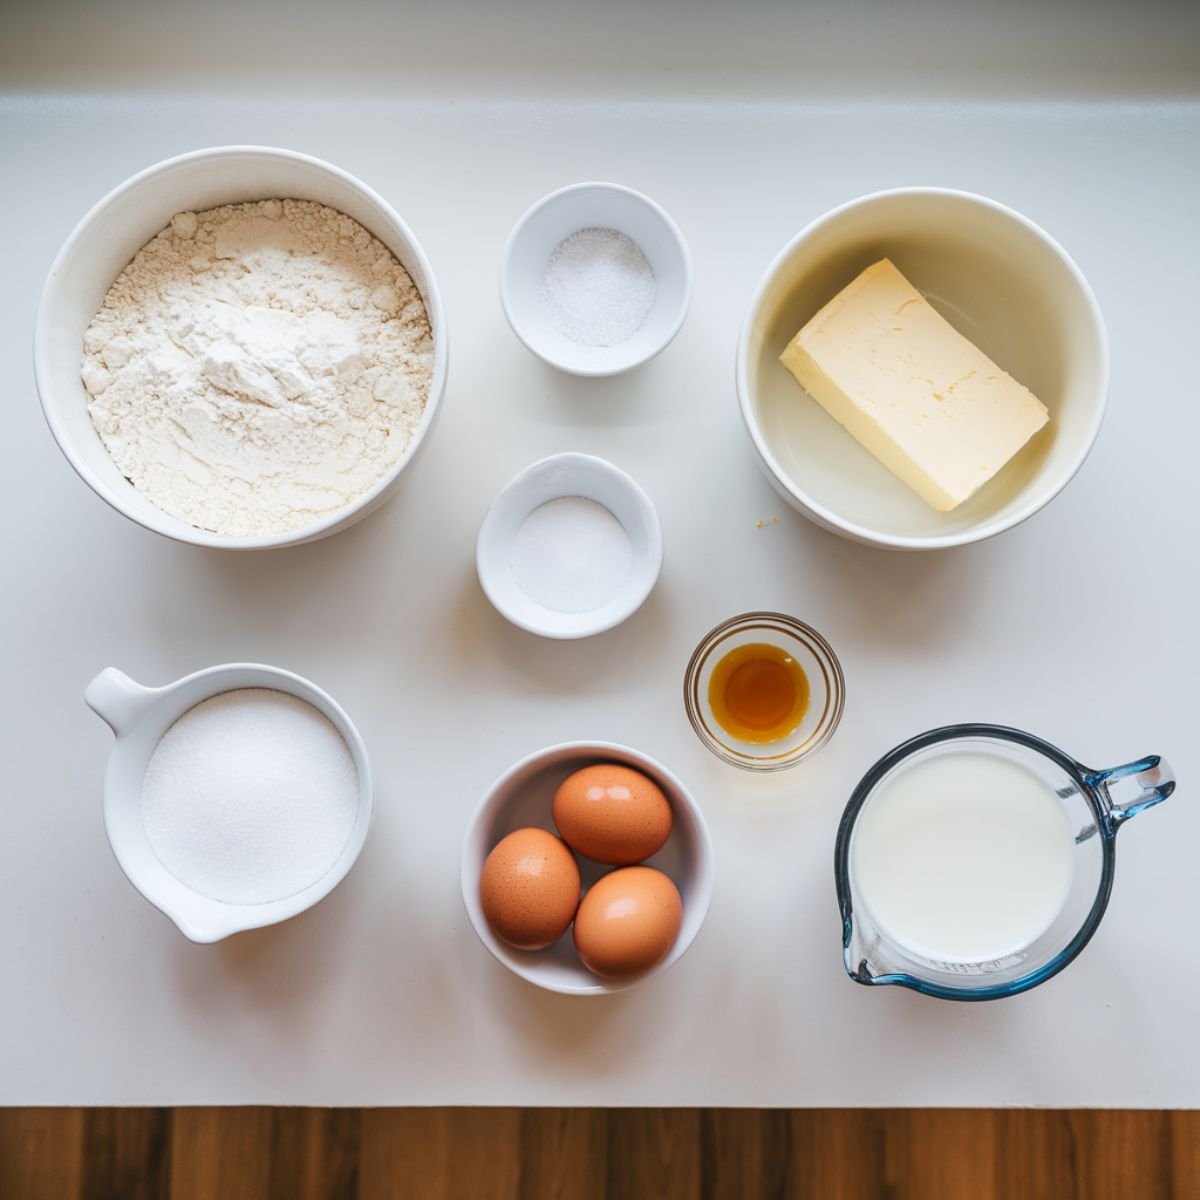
(257, 367)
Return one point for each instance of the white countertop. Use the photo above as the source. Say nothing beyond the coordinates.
(1079, 626)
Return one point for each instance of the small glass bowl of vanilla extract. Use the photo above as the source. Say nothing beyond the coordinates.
(764, 691)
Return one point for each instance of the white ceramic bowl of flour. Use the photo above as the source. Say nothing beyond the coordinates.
(596, 279)
(171, 782)
(109, 236)
(571, 547)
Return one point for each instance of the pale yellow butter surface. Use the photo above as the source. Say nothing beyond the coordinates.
(932, 407)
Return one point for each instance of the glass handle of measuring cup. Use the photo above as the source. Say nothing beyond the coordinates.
(1134, 786)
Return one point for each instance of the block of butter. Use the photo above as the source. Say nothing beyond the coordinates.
(934, 409)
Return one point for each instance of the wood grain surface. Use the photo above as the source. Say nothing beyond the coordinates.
(590, 1154)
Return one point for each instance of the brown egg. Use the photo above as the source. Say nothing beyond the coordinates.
(612, 814)
(529, 889)
(627, 922)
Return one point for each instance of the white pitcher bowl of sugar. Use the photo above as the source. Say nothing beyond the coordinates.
(140, 717)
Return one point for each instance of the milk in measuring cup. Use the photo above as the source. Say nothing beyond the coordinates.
(963, 857)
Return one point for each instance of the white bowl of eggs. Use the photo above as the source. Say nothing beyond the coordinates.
(596, 839)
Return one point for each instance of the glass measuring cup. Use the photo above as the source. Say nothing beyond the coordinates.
(1096, 804)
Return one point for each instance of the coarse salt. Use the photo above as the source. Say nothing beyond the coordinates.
(571, 555)
(598, 287)
(251, 796)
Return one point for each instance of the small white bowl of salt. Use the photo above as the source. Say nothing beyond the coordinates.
(234, 798)
(571, 547)
(596, 279)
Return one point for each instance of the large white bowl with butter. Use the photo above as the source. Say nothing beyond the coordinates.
(102, 244)
(999, 280)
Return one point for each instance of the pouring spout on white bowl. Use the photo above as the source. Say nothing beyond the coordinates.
(117, 699)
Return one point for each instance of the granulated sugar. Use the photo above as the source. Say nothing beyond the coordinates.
(571, 555)
(598, 287)
(251, 796)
